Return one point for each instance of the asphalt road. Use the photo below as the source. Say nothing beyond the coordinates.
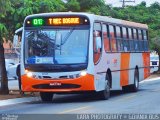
(146, 100)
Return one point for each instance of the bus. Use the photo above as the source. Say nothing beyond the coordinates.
(69, 52)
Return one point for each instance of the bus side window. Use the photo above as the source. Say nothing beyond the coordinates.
(106, 38)
(145, 40)
(140, 40)
(112, 38)
(97, 42)
(131, 41)
(125, 39)
(119, 38)
(136, 45)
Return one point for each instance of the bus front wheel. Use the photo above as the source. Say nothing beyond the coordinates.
(46, 96)
(105, 94)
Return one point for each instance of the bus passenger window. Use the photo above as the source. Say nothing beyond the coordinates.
(131, 42)
(136, 43)
(106, 38)
(145, 39)
(112, 38)
(125, 39)
(141, 46)
(119, 38)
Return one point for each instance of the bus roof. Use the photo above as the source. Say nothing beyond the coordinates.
(96, 17)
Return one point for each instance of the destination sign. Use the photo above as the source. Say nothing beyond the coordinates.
(56, 21)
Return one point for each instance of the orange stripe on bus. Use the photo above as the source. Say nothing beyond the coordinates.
(124, 75)
(146, 63)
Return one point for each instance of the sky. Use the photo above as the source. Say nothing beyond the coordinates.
(117, 3)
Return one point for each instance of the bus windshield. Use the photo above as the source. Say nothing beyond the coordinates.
(56, 46)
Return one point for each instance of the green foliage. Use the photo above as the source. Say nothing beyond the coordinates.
(4, 4)
(3, 31)
(13, 12)
(50, 6)
(73, 5)
(3, 14)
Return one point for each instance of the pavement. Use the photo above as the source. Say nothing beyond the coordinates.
(18, 101)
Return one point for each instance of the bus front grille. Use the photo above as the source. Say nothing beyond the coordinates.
(52, 86)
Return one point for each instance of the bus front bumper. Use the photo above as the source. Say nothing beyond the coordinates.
(80, 84)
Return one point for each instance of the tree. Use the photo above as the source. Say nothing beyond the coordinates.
(73, 5)
(3, 32)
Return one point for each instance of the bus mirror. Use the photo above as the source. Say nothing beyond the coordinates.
(15, 41)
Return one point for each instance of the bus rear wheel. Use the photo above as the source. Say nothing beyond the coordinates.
(135, 86)
(46, 96)
(105, 94)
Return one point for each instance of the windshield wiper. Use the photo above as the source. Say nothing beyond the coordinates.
(67, 36)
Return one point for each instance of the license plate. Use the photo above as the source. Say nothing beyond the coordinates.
(55, 84)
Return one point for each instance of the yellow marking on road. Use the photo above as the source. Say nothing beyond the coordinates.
(76, 109)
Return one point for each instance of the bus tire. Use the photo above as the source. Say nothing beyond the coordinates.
(18, 73)
(134, 87)
(46, 96)
(105, 94)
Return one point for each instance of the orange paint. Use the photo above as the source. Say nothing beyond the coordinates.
(146, 63)
(124, 74)
(86, 83)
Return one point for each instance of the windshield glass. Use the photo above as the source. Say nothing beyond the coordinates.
(56, 46)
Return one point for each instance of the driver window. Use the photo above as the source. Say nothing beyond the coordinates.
(97, 42)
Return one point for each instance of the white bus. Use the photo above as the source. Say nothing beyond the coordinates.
(79, 52)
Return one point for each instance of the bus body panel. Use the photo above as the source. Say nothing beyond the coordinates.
(122, 74)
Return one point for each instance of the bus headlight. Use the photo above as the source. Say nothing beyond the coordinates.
(83, 73)
(29, 74)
